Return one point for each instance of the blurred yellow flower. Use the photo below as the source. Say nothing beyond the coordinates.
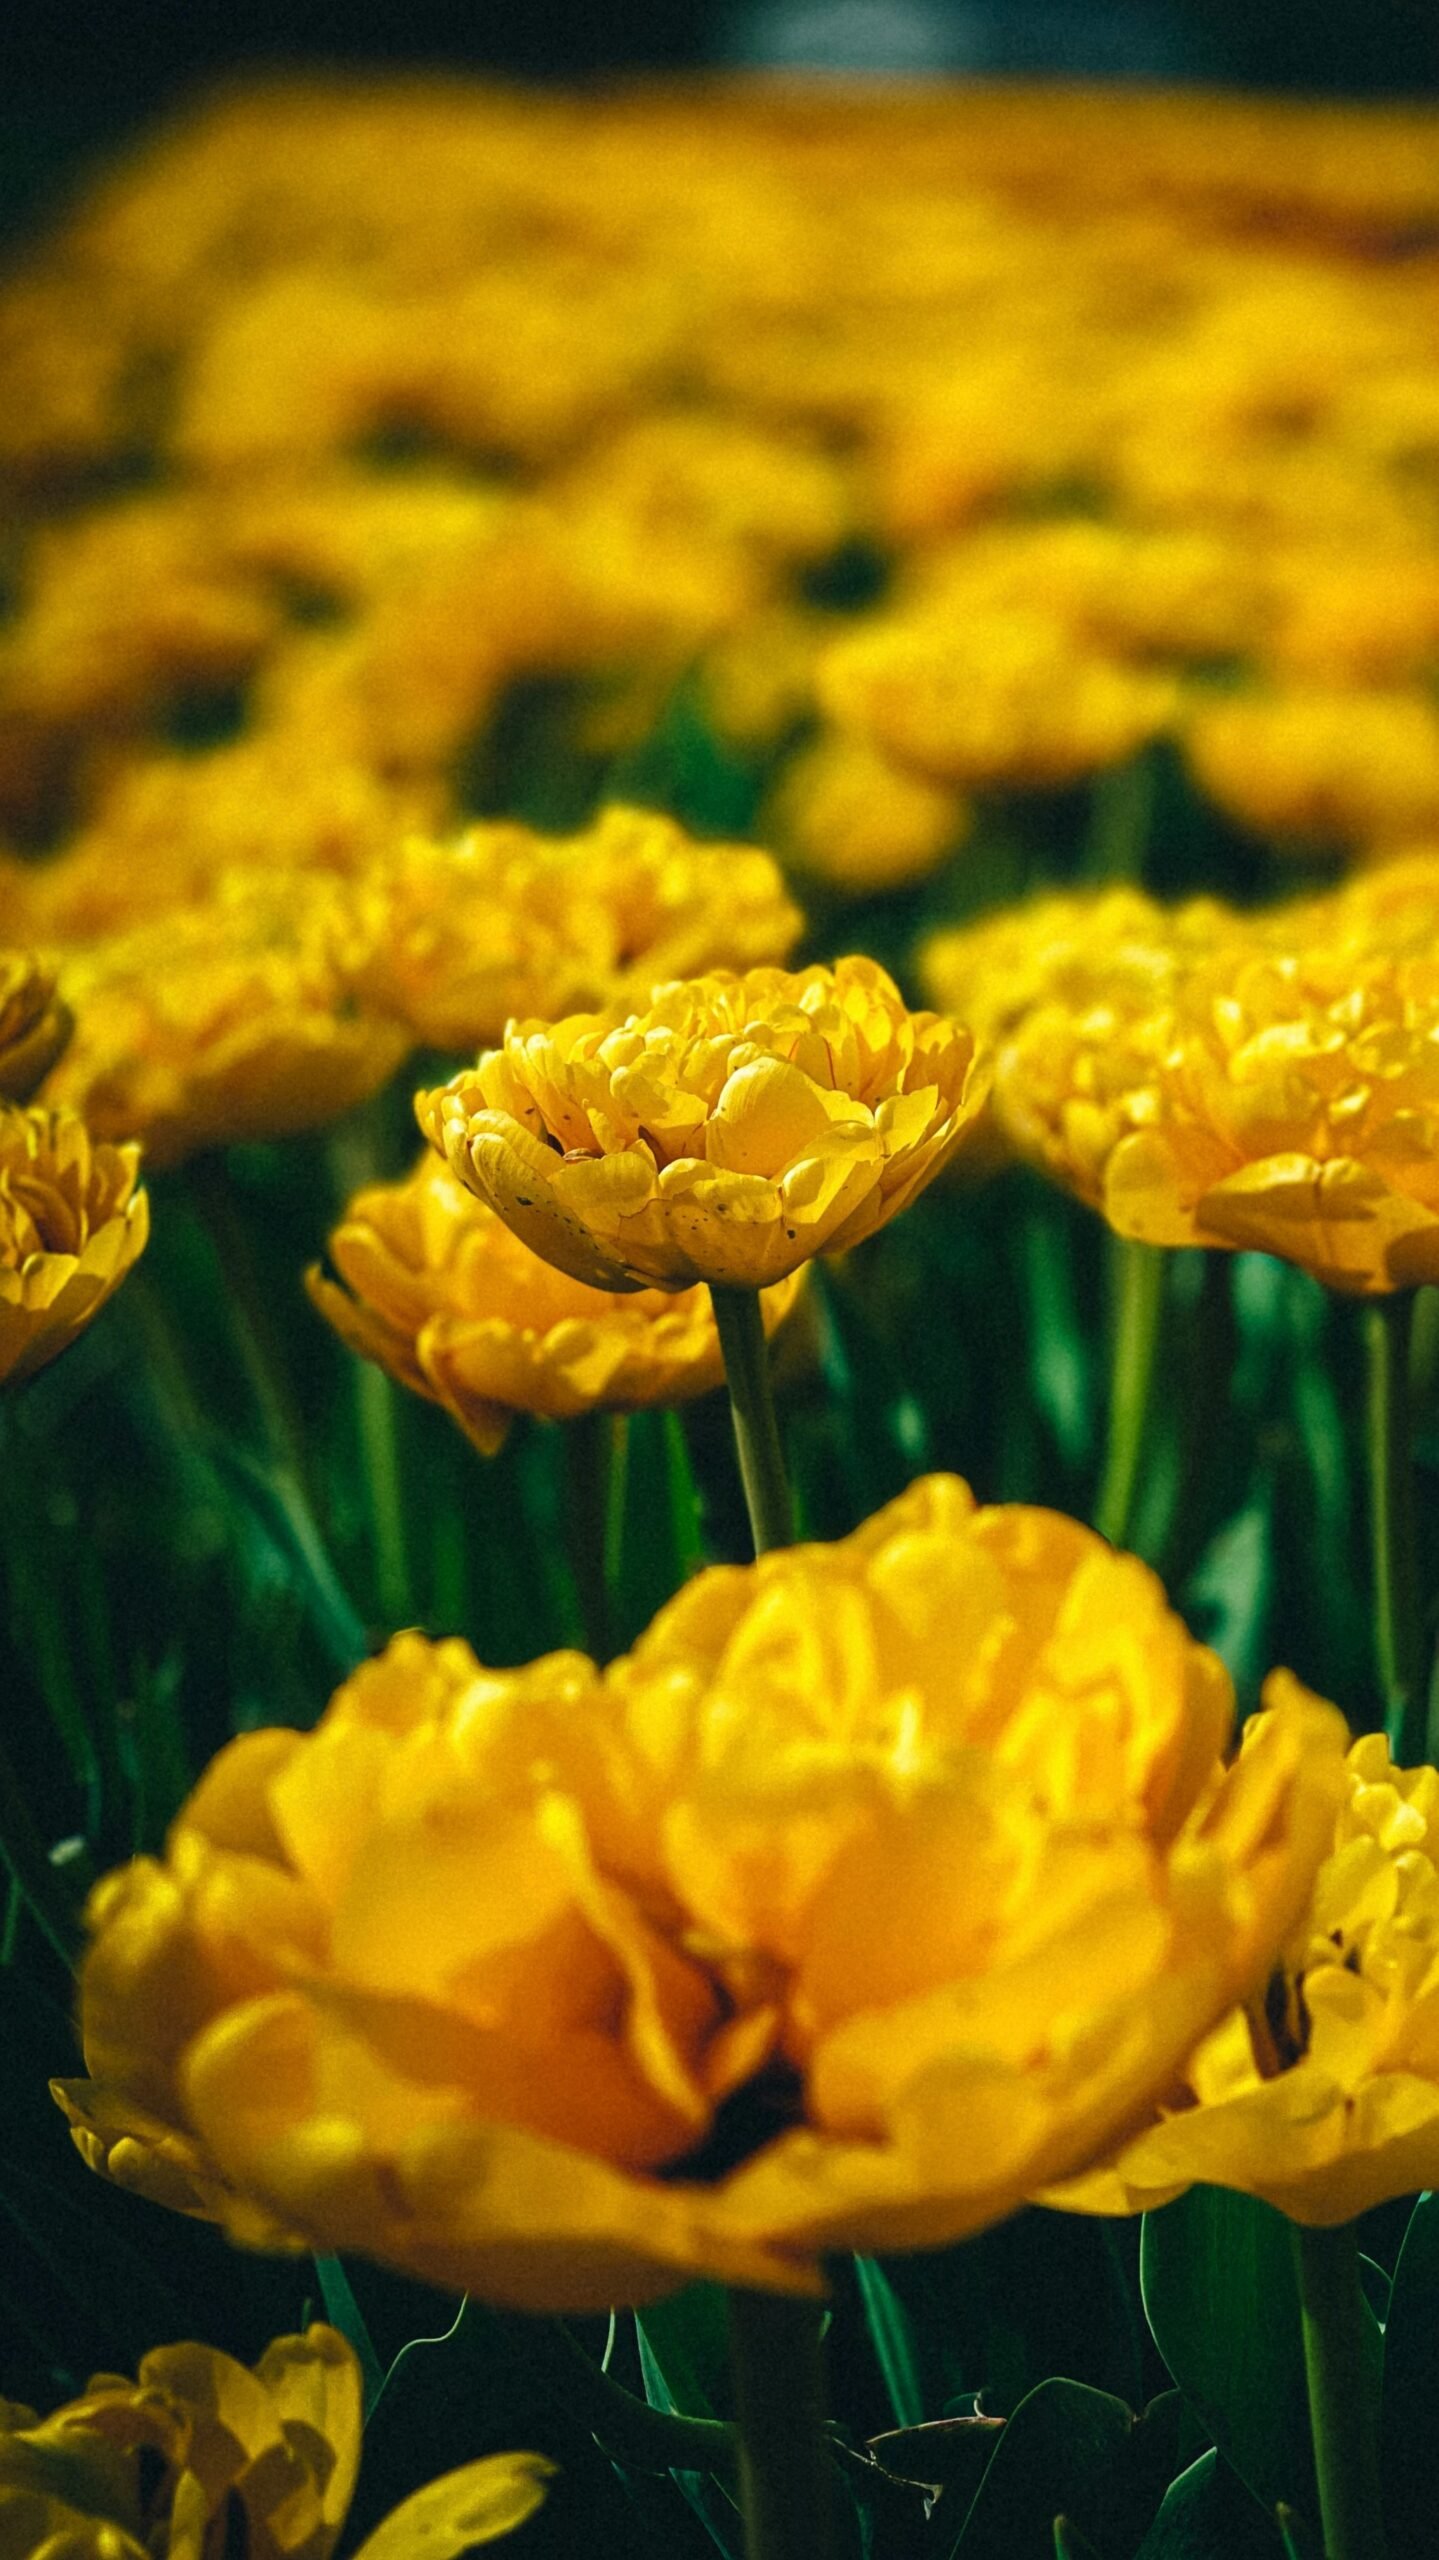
(73, 1220)
(1010, 697)
(456, 938)
(440, 1293)
(727, 1132)
(880, 1884)
(1282, 1095)
(200, 2453)
(34, 1024)
(1321, 2094)
(859, 822)
(228, 1021)
(1320, 766)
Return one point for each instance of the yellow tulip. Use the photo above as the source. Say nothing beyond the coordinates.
(230, 1020)
(1321, 2094)
(1274, 1090)
(881, 1883)
(728, 1132)
(199, 2451)
(73, 1220)
(34, 1024)
(456, 937)
(438, 1291)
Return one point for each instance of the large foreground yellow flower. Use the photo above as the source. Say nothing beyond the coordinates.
(201, 2454)
(73, 1219)
(880, 1884)
(440, 1293)
(729, 1131)
(1278, 1091)
(34, 1024)
(1322, 2093)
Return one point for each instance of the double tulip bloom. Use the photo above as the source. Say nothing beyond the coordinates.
(727, 1132)
(435, 1288)
(1321, 2094)
(881, 1884)
(73, 1221)
(34, 1024)
(1263, 1082)
(201, 2454)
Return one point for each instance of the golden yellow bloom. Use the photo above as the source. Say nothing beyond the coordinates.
(228, 1021)
(440, 1293)
(1009, 697)
(881, 1883)
(1323, 767)
(1321, 2094)
(1075, 946)
(1282, 1096)
(456, 938)
(73, 1219)
(860, 822)
(728, 1132)
(34, 1024)
(201, 2453)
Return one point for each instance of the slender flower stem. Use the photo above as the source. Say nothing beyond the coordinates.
(1387, 1324)
(786, 2477)
(1121, 820)
(378, 1420)
(252, 1321)
(1137, 1279)
(590, 1467)
(756, 1431)
(1342, 2394)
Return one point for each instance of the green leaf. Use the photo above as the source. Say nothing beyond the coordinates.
(1208, 2514)
(1065, 2452)
(1411, 2384)
(686, 2336)
(1220, 2291)
(893, 2341)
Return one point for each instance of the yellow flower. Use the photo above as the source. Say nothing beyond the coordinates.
(1323, 767)
(1321, 2094)
(727, 1132)
(1282, 1096)
(228, 1021)
(456, 938)
(860, 822)
(73, 1219)
(1077, 946)
(200, 2453)
(440, 1293)
(881, 1883)
(1009, 697)
(34, 1024)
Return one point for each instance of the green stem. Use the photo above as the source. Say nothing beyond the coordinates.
(1138, 1291)
(787, 2480)
(592, 1459)
(252, 1321)
(1387, 1324)
(376, 1413)
(1121, 820)
(1342, 2411)
(756, 1431)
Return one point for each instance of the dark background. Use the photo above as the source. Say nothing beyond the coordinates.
(77, 75)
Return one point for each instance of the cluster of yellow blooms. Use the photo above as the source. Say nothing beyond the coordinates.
(1205, 1076)
(435, 390)
(881, 1883)
(200, 2453)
